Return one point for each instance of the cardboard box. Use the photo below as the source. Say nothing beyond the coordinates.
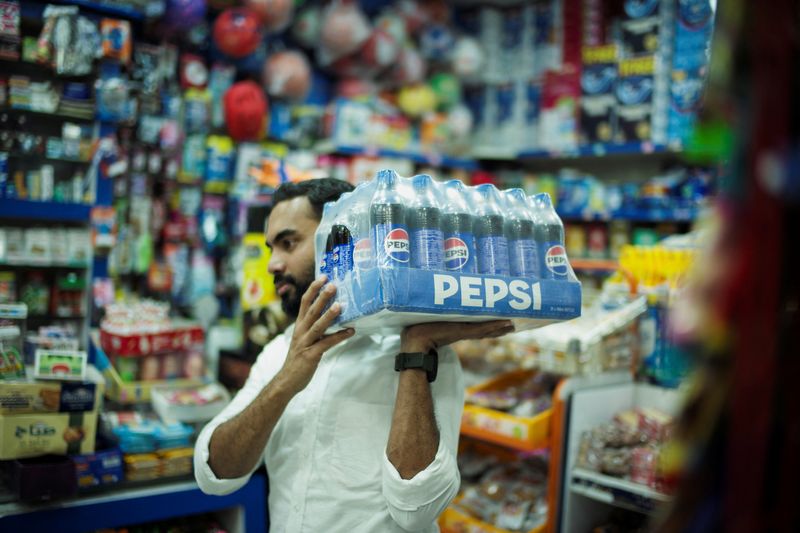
(30, 435)
(24, 397)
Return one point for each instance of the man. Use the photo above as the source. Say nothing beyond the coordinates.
(349, 444)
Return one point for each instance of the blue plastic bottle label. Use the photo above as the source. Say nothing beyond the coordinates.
(493, 255)
(555, 261)
(342, 260)
(362, 254)
(392, 246)
(459, 252)
(427, 249)
(523, 255)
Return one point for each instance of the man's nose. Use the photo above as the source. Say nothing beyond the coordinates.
(276, 264)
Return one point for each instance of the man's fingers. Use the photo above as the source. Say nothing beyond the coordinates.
(311, 294)
(318, 328)
(329, 341)
(319, 305)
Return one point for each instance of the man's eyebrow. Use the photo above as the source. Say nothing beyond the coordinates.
(281, 235)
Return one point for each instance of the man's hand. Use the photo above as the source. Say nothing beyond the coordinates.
(309, 341)
(424, 337)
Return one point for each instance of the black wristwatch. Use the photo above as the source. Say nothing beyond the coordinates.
(429, 362)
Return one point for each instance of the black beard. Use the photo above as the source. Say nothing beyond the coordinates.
(290, 301)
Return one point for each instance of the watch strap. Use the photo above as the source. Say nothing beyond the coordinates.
(418, 360)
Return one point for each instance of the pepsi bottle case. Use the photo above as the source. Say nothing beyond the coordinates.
(412, 250)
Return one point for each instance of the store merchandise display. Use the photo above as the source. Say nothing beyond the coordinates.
(405, 251)
(13, 320)
(606, 337)
(146, 347)
(150, 448)
(628, 447)
(510, 495)
(167, 122)
(49, 417)
(526, 398)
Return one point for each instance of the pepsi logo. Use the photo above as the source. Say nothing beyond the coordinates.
(362, 253)
(396, 245)
(456, 253)
(556, 260)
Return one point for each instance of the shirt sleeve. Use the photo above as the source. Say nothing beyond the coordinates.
(416, 503)
(265, 368)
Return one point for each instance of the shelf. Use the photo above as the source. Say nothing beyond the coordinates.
(36, 210)
(674, 214)
(45, 114)
(123, 507)
(616, 491)
(426, 158)
(456, 520)
(109, 9)
(39, 157)
(606, 265)
(36, 264)
(602, 150)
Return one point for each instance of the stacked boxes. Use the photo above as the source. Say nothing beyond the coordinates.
(38, 417)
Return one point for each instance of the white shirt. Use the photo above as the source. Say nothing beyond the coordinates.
(326, 457)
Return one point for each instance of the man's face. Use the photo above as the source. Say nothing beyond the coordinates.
(290, 236)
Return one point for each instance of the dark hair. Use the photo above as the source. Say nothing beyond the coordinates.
(318, 191)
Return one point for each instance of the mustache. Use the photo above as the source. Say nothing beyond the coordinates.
(287, 278)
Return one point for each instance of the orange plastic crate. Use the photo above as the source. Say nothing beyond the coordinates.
(520, 433)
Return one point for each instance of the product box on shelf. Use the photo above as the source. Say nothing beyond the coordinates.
(180, 336)
(404, 251)
(635, 91)
(492, 425)
(29, 396)
(13, 319)
(33, 434)
(189, 404)
(598, 104)
(103, 467)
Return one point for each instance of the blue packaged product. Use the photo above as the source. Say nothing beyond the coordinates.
(490, 239)
(323, 241)
(388, 230)
(408, 220)
(550, 237)
(523, 253)
(425, 227)
(342, 252)
(457, 226)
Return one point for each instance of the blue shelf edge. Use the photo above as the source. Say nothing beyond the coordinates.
(35, 9)
(434, 159)
(602, 149)
(143, 505)
(677, 214)
(35, 210)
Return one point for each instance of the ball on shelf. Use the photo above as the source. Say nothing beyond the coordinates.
(447, 89)
(237, 32)
(275, 15)
(307, 26)
(287, 74)
(380, 51)
(459, 120)
(344, 30)
(245, 111)
(467, 58)
(436, 42)
(416, 100)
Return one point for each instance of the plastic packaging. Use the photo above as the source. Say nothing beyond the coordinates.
(411, 250)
